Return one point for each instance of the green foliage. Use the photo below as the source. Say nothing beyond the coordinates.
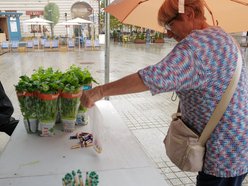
(27, 102)
(47, 110)
(26, 84)
(159, 35)
(74, 78)
(115, 23)
(69, 107)
(140, 36)
(51, 12)
(28, 106)
(47, 80)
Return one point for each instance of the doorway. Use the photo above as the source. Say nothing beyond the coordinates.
(4, 36)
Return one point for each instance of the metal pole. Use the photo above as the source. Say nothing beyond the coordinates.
(66, 26)
(99, 19)
(107, 47)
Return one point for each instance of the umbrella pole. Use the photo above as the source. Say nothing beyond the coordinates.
(107, 46)
(78, 38)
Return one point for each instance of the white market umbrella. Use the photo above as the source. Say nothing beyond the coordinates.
(66, 23)
(42, 24)
(36, 21)
(79, 21)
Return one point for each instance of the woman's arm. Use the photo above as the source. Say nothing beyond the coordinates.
(129, 84)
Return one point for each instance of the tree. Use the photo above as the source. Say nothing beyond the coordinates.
(51, 13)
(115, 23)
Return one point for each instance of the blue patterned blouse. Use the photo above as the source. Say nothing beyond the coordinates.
(199, 69)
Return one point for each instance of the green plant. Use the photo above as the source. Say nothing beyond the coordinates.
(140, 36)
(74, 78)
(69, 107)
(159, 35)
(26, 84)
(47, 108)
(48, 86)
(47, 80)
(25, 89)
(51, 12)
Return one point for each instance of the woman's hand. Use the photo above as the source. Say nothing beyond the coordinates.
(127, 85)
(89, 97)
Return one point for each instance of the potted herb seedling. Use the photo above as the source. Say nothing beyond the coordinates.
(25, 90)
(48, 93)
(86, 80)
(70, 98)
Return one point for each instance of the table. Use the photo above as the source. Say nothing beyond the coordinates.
(33, 160)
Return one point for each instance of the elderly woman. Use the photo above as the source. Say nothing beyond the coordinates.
(198, 69)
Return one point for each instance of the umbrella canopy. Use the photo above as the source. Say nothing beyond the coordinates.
(37, 21)
(66, 23)
(42, 24)
(229, 14)
(79, 21)
(141, 13)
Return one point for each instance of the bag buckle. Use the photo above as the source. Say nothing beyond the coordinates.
(176, 116)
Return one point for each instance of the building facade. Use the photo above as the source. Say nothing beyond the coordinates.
(69, 9)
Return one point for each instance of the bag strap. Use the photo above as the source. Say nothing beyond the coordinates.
(223, 104)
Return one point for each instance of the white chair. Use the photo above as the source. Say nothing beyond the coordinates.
(14, 46)
(30, 45)
(88, 44)
(5, 46)
(97, 44)
(55, 44)
(70, 44)
(47, 44)
(36, 43)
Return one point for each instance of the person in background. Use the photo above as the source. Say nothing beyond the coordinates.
(198, 69)
(7, 122)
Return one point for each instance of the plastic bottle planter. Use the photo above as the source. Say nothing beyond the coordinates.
(28, 106)
(82, 116)
(47, 111)
(58, 116)
(69, 108)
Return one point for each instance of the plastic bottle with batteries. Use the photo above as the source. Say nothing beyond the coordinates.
(82, 116)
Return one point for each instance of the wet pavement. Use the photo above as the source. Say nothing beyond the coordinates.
(147, 116)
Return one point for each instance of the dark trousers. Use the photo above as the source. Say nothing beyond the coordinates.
(203, 179)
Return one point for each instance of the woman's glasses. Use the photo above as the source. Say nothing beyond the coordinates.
(167, 25)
